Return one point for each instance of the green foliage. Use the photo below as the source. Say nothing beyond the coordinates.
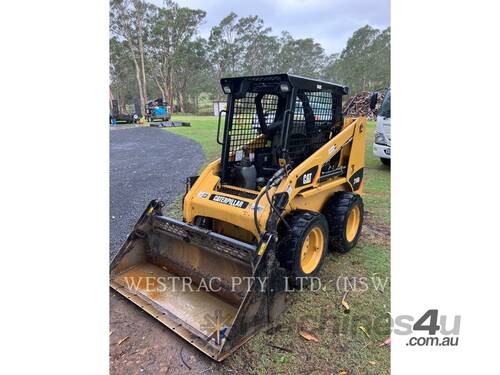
(245, 47)
(364, 64)
(121, 73)
(300, 56)
(177, 61)
(222, 47)
(192, 72)
(182, 66)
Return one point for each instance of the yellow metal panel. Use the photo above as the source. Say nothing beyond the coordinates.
(350, 141)
(315, 199)
(206, 182)
(357, 154)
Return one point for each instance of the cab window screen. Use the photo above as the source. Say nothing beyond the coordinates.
(245, 125)
(312, 124)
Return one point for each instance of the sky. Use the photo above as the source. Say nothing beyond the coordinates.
(329, 22)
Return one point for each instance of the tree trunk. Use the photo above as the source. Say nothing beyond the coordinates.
(121, 102)
(170, 84)
(143, 70)
(168, 97)
(111, 97)
(137, 74)
(181, 101)
(139, 83)
(160, 88)
(127, 34)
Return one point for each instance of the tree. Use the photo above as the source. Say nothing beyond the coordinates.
(121, 73)
(241, 47)
(192, 72)
(128, 21)
(381, 60)
(158, 50)
(256, 47)
(172, 28)
(364, 64)
(300, 56)
(223, 49)
(142, 11)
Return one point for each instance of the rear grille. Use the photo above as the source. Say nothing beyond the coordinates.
(239, 193)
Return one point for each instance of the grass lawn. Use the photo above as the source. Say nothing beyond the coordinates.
(343, 345)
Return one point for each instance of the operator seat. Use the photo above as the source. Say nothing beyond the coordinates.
(272, 133)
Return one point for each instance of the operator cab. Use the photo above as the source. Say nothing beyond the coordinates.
(275, 120)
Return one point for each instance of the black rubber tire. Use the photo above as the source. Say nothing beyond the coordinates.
(386, 161)
(337, 211)
(290, 245)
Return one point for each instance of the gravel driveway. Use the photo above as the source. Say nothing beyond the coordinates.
(146, 163)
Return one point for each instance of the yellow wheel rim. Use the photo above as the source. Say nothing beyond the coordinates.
(312, 250)
(353, 223)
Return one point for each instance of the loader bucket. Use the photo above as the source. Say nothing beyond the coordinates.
(213, 291)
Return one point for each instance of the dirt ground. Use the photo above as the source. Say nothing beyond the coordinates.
(150, 347)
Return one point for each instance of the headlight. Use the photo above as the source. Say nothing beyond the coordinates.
(284, 87)
(380, 138)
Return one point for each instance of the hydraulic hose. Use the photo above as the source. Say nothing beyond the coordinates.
(273, 207)
(256, 208)
(273, 181)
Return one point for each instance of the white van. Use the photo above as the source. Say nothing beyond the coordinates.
(382, 144)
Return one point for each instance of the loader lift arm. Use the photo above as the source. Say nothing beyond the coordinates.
(253, 219)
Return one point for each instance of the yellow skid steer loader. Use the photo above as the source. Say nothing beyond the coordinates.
(256, 222)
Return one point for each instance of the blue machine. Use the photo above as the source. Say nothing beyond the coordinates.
(157, 110)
